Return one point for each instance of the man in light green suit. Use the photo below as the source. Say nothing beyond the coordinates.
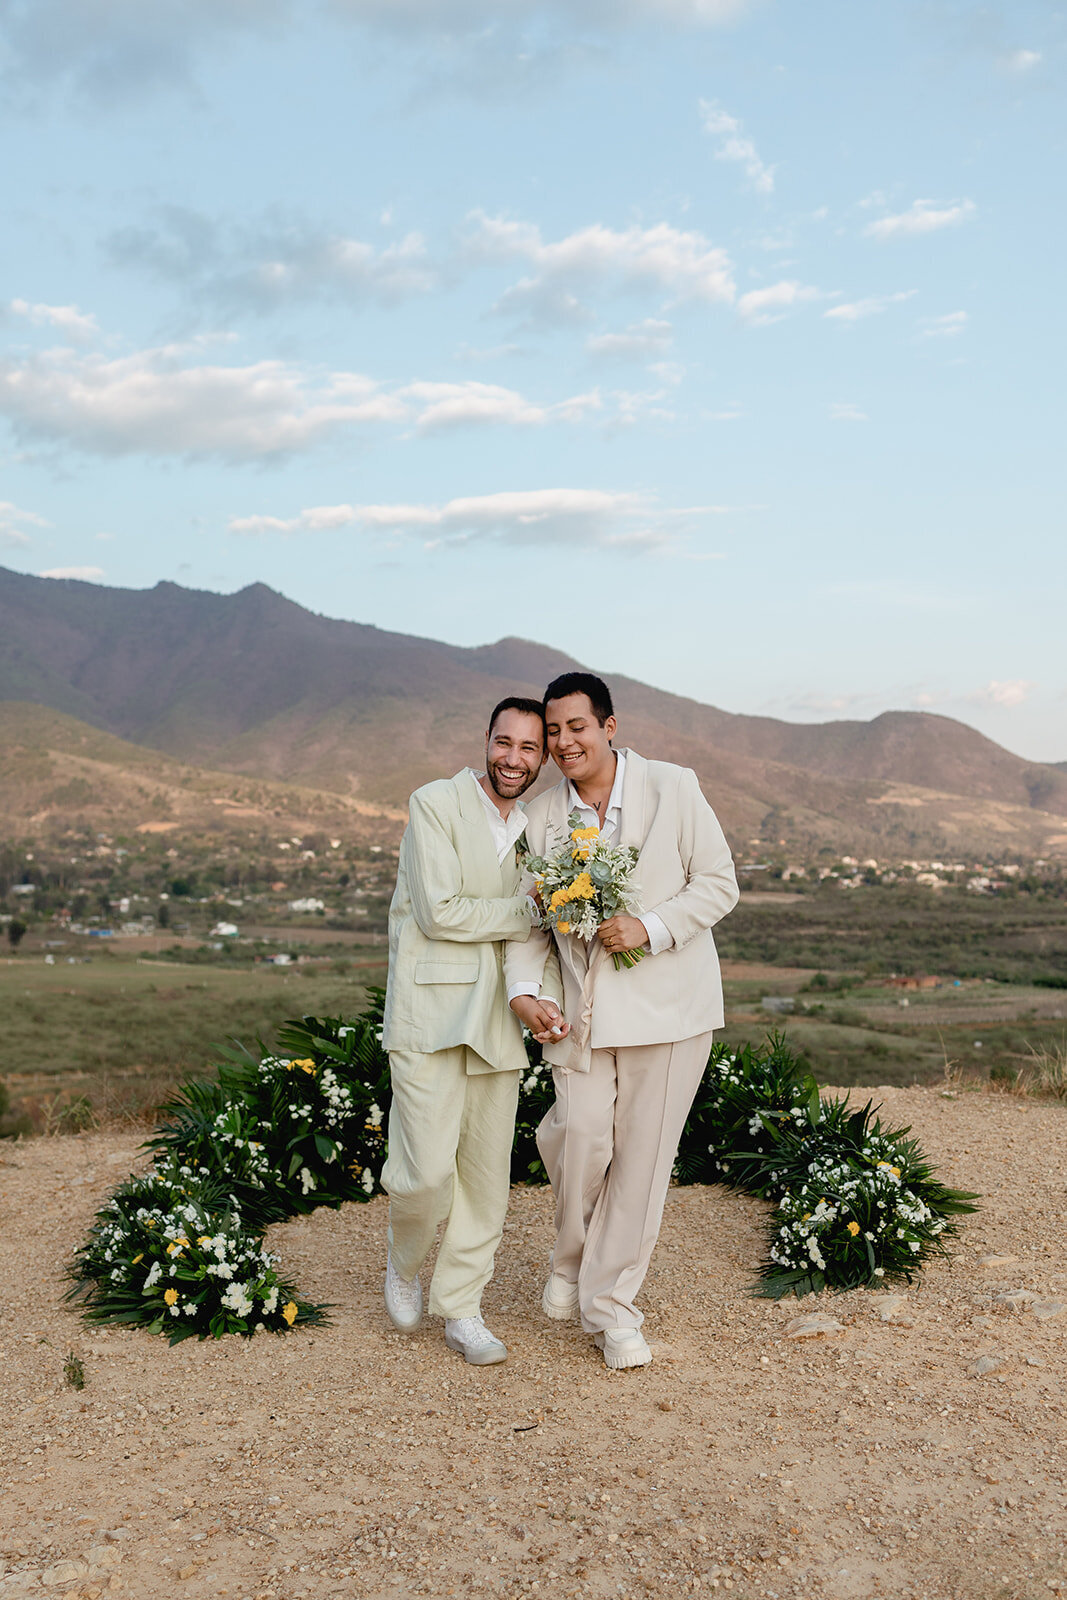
(455, 1049)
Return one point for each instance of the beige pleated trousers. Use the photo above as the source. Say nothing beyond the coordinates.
(609, 1144)
(450, 1137)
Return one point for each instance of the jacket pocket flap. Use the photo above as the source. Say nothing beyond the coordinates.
(446, 972)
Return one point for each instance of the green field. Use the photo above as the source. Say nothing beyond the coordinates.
(122, 1031)
(108, 1037)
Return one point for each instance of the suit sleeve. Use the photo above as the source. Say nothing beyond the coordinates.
(535, 964)
(711, 887)
(435, 881)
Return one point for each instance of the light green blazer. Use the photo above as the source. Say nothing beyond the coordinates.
(453, 908)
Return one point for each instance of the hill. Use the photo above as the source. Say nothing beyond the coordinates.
(252, 683)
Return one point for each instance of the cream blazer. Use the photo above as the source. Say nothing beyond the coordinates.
(453, 907)
(685, 873)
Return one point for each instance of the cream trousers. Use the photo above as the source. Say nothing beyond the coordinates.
(609, 1144)
(450, 1135)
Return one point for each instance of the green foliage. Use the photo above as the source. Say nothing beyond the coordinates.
(275, 1134)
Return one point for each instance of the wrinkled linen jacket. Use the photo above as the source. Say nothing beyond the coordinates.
(685, 873)
(453, 907)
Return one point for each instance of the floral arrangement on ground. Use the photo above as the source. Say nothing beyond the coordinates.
(278, 1133)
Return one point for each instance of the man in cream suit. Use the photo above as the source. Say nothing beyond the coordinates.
(639, 1037)
(455, 1049)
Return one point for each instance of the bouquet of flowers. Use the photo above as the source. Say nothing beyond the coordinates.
(584, 882)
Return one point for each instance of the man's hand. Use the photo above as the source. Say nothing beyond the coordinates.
(622, 933)
(543, 1018)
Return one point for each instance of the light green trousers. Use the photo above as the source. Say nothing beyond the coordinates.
(450, 1136)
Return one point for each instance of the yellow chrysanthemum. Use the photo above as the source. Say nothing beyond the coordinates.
(171, 1297)
(135, 1260)
(176, 1245)
(289, 1312)
(205, 1238)
(582, 887)
(564, 927)
(853, 1228)
(581, 834)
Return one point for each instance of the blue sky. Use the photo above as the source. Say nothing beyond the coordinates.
(712, 341)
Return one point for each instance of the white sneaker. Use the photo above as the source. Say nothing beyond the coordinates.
(623, 1347)
(560, 1299)
(471, 1337)
(403, 1300)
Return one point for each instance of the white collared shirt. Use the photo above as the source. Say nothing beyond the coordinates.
(507, 830)
(660, 937)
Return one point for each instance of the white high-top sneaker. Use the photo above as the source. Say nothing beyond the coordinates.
(403, 1300)
(471, 1337)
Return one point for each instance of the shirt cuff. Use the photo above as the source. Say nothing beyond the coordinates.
(660, 937)
(516, 989)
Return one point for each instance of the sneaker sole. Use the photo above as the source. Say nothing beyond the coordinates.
(622, 1361)
(487, 1356)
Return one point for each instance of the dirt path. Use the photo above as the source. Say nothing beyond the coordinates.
(357, 1462)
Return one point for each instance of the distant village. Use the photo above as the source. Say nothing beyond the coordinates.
(240, 889)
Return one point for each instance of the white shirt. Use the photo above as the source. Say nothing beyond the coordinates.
(507, 830)
(659, 935)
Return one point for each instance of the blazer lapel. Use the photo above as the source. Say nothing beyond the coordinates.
(480, 839)
(634, 792)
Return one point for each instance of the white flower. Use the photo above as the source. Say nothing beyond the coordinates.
(154, 1276)
(367, 1180)
(307, 1181)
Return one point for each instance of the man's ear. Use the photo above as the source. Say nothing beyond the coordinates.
(544, 754)
(609, 727)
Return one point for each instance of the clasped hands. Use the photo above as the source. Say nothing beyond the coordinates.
(543, 1018)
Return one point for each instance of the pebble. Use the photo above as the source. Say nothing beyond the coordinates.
(1045, 1310)
(989, 1262)
(887, 1305)
(985, 1365)
(64, 1572)
(1017, 1299)
(815, 1323)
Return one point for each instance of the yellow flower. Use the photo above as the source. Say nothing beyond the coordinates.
(135, 1260)
(171, 1297)
(559, 898)
(853, 1228)
(805, 1217)
(306, 1064)
(205, 1238)
(175, 1245)
(289, 1312)
(582, 887)
(580, 855)
(581, 834)
(564, 927)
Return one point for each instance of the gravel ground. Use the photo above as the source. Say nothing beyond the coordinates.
(882, 1458)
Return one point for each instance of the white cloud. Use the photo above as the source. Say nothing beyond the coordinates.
(845, 411)
(854, 310)
(448, 405)
(600, 518)
(77, 325)
(682, 264)
(155, 402)
(262, 266)
(452, 16)
(1022, 60)
(762, 306)
(1006, 692)
(11, 516)
(946, 327)
(83, 574)
(734, 146)
(640, 341)
(922, 216)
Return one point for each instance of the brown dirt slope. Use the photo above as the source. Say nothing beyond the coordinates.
(359, 1462)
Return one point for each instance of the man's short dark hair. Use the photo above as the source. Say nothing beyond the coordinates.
(586, 683)
(518, 702)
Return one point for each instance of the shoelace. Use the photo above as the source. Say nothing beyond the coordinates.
(406, 1292)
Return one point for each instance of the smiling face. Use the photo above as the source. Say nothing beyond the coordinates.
(577, 743)
(514, 753)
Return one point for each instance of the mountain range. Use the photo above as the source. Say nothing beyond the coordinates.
(253, 684)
